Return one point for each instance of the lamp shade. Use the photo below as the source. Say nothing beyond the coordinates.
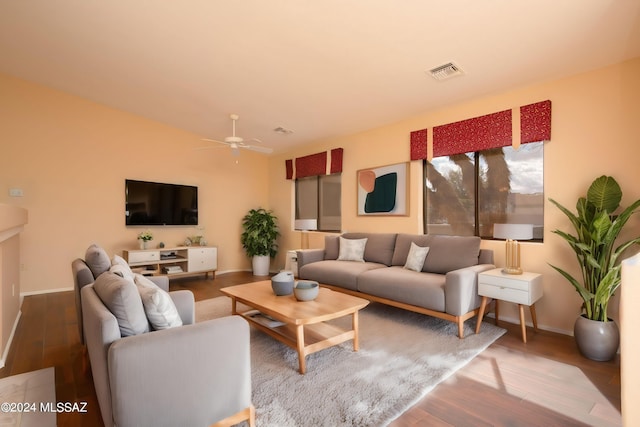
(306, 224)
(513, 231)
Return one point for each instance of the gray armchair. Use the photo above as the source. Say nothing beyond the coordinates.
(193, 375)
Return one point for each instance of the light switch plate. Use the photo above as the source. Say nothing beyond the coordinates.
(16, 192)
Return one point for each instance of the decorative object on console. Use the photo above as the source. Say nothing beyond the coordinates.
(145, 237)
(305, 225)
(259, 238)
(597, 229)
(384, 190)
(512, 233)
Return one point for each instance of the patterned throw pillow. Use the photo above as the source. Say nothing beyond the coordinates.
(416, 257)
(352, 249)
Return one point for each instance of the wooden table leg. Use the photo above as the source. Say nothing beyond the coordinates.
(523, 326)
(233, 306)
(495, 310)
(301, 354)
(534, 319)
(354, 321)
(483, 306)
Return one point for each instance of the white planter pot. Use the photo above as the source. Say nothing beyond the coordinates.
(261, 264)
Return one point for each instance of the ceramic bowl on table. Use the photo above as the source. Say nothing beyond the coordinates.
(306, 290)
(282, 283)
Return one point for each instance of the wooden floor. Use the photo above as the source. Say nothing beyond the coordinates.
(542, 383)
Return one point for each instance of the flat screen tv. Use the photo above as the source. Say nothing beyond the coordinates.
(155, 203)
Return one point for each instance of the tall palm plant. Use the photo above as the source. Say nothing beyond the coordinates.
(596, 231)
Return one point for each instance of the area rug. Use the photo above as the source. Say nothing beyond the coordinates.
(402, 356)
(26, 399)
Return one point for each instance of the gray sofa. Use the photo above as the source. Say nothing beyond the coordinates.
(446, 286)
(169, 377)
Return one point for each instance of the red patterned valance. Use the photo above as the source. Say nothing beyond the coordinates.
(288, 164)
(315, 164)
(535, 122)
(336, 160)
(477, 134)
(485, 132)
(311, 165)
(419, 144)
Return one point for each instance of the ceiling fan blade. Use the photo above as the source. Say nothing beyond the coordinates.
(213, 140)
(265, 150)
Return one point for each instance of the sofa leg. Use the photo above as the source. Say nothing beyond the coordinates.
(247, 414)
(460, 328)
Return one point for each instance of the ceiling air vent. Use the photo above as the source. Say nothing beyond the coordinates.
(283, 130)
(445, 71)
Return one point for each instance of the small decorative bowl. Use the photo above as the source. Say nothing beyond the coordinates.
(306, 290)
(282, 283)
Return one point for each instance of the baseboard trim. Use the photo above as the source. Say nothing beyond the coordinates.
(5, 353)
(45, 291)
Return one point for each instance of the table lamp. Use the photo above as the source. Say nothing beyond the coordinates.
(512, 233)
(304, 225)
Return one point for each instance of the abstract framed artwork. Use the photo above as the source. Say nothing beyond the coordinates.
(384, 190)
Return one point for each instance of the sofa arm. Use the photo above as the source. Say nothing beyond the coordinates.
(161, 281)
(192, 375)
(461, 289)
(186, 305)
(307, 256)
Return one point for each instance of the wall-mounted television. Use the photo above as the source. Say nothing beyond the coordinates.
(155, 203)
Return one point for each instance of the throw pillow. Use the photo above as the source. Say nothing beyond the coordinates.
(352, 249)
(121, 297)
(120, 267)
(97, 260)
(158, 305)
(416, 257)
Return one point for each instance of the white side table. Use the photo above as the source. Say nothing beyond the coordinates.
(522, 289)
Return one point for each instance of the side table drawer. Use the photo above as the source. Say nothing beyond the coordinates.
(504, 294)
(515, 281)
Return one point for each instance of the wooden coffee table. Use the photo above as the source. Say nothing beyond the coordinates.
(299, 324)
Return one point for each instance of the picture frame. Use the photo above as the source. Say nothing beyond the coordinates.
(383, 190)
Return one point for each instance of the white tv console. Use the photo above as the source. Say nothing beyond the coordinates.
(177, 261)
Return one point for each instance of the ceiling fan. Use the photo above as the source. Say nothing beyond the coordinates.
(237, 142)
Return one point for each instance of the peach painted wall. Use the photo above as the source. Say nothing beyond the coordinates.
(594, 132)
(71, 156)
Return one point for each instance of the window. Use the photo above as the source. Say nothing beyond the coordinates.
(466, 194)
(319, 197)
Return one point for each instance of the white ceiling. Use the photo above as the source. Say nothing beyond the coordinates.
(321, 68)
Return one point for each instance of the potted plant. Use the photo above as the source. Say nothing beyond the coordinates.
(145, 237)
(259, 239)
(597, 227)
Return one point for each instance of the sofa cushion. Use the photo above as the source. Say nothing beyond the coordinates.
(403, 244)
(158, 305)
(331, 247)
(410, 287)
(379, 247)
(448, 253)
(416, 257)
(337, 273)
(121, 297)
(352, 249)
(97, 260)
